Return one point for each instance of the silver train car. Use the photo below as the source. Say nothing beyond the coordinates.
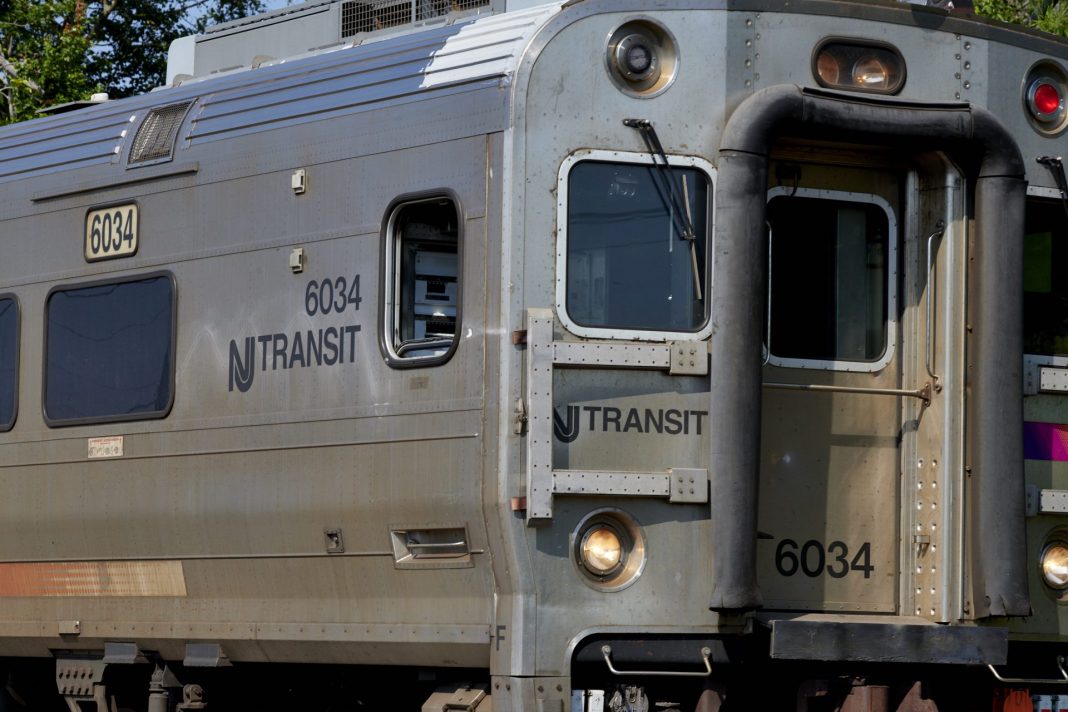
(581, 357)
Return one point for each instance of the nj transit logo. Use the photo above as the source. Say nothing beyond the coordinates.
(606, 419)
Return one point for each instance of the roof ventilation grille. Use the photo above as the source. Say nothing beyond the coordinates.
(154, 142)
(369, 15)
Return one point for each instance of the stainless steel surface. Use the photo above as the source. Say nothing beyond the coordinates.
(633, 484)
(1052, 379)
(247, 491)
(539, 376)
(584, 353)
(688, 359)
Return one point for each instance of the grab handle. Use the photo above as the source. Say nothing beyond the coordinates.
(706, 653)
(1034, 681)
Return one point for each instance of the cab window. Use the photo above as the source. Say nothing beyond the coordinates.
(1045, 314)
(637, 239)
(109, 351)
(9, 360)
(830, 272)
(422, 300)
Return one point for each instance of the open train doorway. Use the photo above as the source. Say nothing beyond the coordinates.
(861, 405)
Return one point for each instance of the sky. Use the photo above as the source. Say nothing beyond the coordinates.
(275, 4)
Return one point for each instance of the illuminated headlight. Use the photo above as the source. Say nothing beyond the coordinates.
(859, 66)
(608, 549)
(1054, 565)
(602, 550)
(642, 58)
(1045, 89)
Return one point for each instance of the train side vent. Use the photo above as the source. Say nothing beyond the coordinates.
(369, 15)
(154, 142)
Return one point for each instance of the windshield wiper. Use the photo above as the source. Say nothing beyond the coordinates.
(677, 196)
(1056, 167)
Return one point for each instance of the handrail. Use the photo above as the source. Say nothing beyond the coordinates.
(1032, 680)
(940, 230)
(923, 393)
(706, 653)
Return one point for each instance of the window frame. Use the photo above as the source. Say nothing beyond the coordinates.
(7, 427)
(891, 330)
(1033, 362)
(122, 417)
(387, 278)
(646, 159)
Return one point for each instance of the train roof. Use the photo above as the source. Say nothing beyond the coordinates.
(460, 54)
(448, 59)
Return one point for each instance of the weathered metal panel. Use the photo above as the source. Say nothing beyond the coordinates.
(236, 489)
(887, 641)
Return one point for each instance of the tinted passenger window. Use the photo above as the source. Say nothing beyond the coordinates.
(627, 264)
(423, 278)
(9, 359)
(829, 284)
(1046, 279)
(108, 354)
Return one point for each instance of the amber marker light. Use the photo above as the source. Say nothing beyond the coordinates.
(858, 65)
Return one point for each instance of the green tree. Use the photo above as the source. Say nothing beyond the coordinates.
(56, 51)
(43, 47)
(1046, 15)
(131, 37)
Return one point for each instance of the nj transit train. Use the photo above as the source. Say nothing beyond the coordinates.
(598, 355)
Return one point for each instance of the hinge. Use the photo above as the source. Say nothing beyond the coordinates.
(520, 416)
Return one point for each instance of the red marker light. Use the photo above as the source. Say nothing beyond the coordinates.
(1047, 99)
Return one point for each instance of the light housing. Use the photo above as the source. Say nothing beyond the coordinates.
(601, 550)
(1045, 91)
(1053, 564)
(608, 549)
(858, 65)
(642, 58)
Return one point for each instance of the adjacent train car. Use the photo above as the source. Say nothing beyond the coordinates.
(590, 356)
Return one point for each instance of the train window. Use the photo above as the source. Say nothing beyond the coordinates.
(831, 278)
(109, 351)
(1046, 279)
(9, 360)
(422, 268)
(624, 261)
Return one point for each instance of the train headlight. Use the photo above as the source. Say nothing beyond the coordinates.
(608, 549)
(635, 57)
(1054, 565)
(642, 58)
(871, 73)
(858, 65)
(601, 550)
(1045, 89)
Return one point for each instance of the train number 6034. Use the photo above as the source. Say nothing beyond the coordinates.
(814, 559)
(111, 232)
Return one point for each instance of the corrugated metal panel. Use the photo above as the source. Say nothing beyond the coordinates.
(70, 140)
(442, 60)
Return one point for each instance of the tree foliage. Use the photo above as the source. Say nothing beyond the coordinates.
(56, 51)
(1046, 15)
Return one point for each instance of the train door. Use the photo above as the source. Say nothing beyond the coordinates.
(1046, 405)
(849, 401)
